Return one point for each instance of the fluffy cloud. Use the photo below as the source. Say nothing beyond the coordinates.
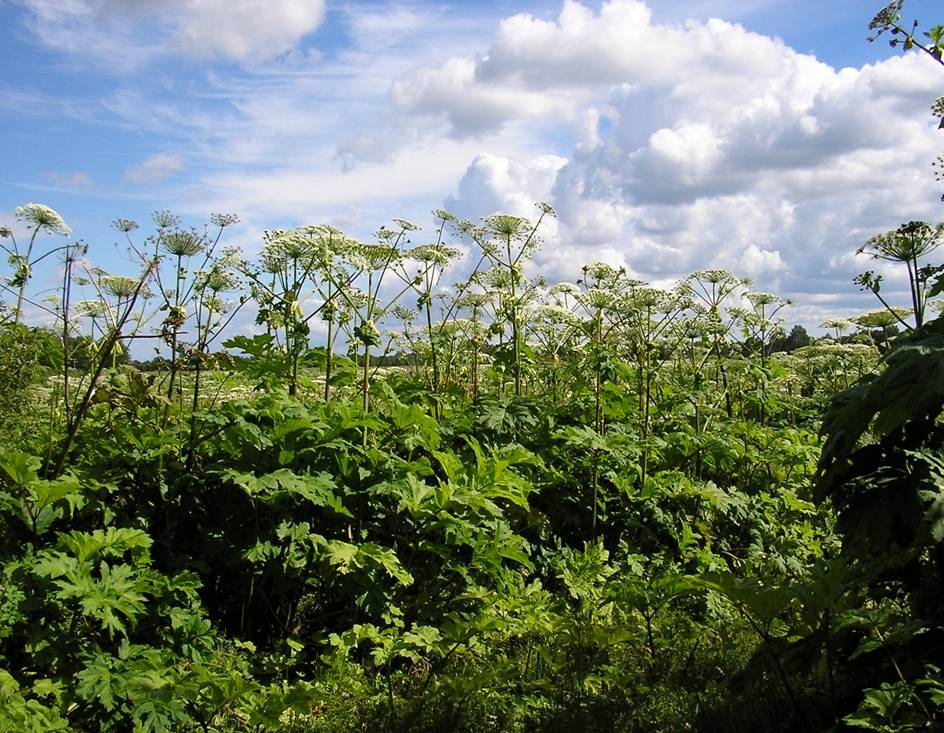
(125, 33)
(692, 145)
(472, 108)
(155, 169)
(245, 28)
(666, 147)
(494, 184)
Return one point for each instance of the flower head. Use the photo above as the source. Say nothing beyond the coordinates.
(121, 286)
(223, 220)
(42, 217)
(600, 271)
(125, 225)
(165, 220)
(906, 243)
(405, 225)
(90, 309)
(436, 254)
(182, 243)
(506, 225)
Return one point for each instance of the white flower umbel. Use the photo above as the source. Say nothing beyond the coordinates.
(37, 217)
(42, 217)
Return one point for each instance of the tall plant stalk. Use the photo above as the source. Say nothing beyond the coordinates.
(103, 357)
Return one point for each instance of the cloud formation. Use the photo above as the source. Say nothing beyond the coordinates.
(693, 144)
(665, 146)
(155, 169)
(78, 180)
(131, 32)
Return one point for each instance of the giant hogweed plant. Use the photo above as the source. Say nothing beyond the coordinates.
(760, 322)
(908, 245)
(127, 292)
(190, 293)
(422, 268)
(300, 270)
(710, 292)
(194, 298)
(369, 304)
(473, 330)
(649, 318)
(37, 218)
(117, 313)
(507, 242)
(596, 306)
(300, 528)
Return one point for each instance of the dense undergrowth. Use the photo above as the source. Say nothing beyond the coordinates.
(589, 506)
(592, 506)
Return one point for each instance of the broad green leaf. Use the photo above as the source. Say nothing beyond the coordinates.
(21, 468)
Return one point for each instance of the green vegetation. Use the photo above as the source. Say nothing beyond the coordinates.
(510, 506)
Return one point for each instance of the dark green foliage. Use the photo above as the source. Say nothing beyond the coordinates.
(796, 339)
(887, 488)
(614, 517)
(25, 354)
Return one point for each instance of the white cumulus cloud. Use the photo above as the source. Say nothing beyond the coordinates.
(688, 145)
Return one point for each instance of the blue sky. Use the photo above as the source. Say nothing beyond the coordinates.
(765, 136)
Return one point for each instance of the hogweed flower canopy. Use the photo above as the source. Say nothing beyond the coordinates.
(224, 220)
(165, 220)
(760, 301)
(182, 243)
(506, 225)
(286, 246)
(602, 273)
(42, 218)
(907, 243)
(599, 299)
(124, 225)
(880, 318)
(219, 278)
(649, 298)
(406, 226)
(758, 298)
(121, 286)
(90, 309)
(433, 254)
(38, 217)
(838, 325)
(564, 289)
